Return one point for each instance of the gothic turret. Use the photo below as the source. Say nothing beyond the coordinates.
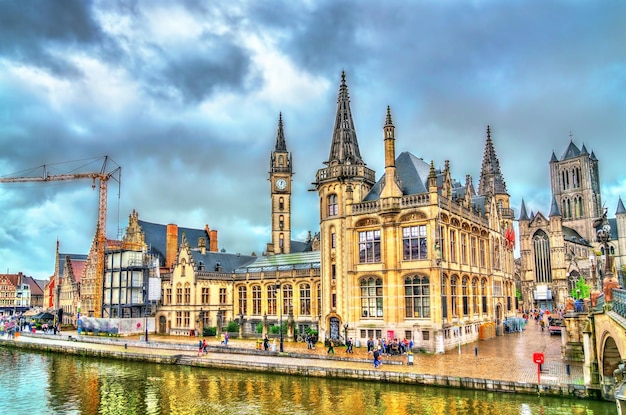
(491, 180)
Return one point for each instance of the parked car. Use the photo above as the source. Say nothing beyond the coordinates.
(555, 325)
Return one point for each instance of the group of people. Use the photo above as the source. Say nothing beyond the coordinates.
(389, 347)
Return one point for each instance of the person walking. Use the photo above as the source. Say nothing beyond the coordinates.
(266, 343)
(376, 358)
(349, 346)
(331, 347)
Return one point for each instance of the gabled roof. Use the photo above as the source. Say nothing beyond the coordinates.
(620, 207)
(36, 286)
(572, 235)
(78, 267)
(412, 173)
(283, 262)
(227, 262)
(73, 257)
(156, 236)
(571, 151)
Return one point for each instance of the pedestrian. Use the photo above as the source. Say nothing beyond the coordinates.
(199, 347)
(266, 343)
(204, 346)
(376, 358)
(226, 339)
(331, 347)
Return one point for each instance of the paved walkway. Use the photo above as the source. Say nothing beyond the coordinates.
(503, 358)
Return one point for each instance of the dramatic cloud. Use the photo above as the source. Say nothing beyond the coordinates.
(185, 97)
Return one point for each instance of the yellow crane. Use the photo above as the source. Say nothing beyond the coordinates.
(96, 254)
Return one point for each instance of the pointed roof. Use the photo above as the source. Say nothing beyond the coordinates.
(522, 214)
(412, 172)
(281, 143)
(583, 150)
(554, 208)
(345, 147)
(553, 159)
(571, 152)
(620, 207)
(491, 180)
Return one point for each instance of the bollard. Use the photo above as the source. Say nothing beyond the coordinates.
(567, 369)
(475, 351)
(125, 346)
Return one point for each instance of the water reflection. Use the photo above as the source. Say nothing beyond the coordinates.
(59, 384)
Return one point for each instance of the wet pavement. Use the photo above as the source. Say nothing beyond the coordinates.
(503, 358)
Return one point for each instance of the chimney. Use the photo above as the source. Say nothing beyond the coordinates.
(171, 245)
(213, 241)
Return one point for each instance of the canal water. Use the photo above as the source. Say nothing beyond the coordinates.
(33, 383)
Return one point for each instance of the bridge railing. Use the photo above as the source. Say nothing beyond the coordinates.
(619, 301)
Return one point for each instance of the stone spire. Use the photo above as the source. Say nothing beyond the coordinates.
(281, 144)
(491, 180)
(345, 147)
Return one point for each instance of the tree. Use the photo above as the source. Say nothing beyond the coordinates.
(581, 290)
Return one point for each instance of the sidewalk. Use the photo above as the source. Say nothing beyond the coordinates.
(507, 358)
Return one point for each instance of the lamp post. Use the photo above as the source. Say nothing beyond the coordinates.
(345, 332)
(145, 302)
(280, 315)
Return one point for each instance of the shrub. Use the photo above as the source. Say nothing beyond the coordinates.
(232, 326)
(209, 331)
(259, 328)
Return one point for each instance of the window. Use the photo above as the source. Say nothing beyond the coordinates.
(281, 222)
(186, 318)
(369, 246)
(417, 297)
(168, 295)
(333, 240)
(179, 295)
(414, 242)
(444, 298)
(256, 300)
(452, 246)
(371, 297)
(333, 271)
(318, 289)
(287, 298)
(205, 295)
(179, 319)
(473, 251)
(475, 297)
(187, 294)
(541, 248)
(465, 290)
(271, 299)
(453, 295)
(305, 299)
(483, 294)
(464, 248)
(222, 295)
(281, 203)
(243, 300)
(482, 253)
(332, 205)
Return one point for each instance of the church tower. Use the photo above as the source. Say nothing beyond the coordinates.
(343, 182)
(280, 189)
(575, 184)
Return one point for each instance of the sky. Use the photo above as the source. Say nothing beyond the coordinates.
(185, 97)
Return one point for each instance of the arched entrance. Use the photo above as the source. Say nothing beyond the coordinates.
(162, 325)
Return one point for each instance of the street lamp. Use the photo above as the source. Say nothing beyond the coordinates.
(280, 315)
(345, 332)
(145, 302)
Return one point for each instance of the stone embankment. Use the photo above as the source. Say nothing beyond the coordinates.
(487, 366)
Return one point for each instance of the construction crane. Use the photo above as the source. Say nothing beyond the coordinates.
(96, 253)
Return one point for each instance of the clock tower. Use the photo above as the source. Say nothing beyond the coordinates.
(280, 190)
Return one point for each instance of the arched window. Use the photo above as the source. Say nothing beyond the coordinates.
(287, 298)
(453, 295)
(543, 263)
(332, 205)
(417, 297)
(444, 297)
(305, 299)
(256, 300)
(281, 203)
(187, 293)
(483, 294)
(371, 297)
(465, 289)
(271, 299)
(475, 297)
(243, 300)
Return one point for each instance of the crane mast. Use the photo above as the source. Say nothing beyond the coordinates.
(92, 283)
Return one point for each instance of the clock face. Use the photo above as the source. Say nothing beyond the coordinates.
(281, 184)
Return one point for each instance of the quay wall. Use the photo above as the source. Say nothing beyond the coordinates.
(308, 369)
